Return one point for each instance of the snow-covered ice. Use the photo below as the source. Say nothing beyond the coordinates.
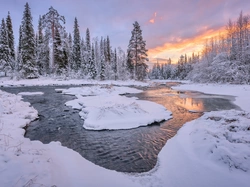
(102, 107)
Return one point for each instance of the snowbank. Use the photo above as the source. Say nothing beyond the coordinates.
(31, 163)
(210, 151)
(43, 81)
(103, 108)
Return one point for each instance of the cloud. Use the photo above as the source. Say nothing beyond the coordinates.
(178, 46)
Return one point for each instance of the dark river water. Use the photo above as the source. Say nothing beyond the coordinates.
(133, 150)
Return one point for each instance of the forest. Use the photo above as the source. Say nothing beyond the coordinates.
(224, 59)
(53, 52)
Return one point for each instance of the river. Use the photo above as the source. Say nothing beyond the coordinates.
(133, 150)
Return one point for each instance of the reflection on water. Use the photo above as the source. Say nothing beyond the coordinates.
(191, 104)
(133, 150)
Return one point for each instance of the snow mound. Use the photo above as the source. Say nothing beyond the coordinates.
(224, 137)
(100, 90)
(109, 110)
(30, 93)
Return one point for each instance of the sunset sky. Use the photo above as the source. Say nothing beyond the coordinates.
(170, 27)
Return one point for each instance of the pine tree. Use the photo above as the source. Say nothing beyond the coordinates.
(28, 45)
(137, 53)
(50, 21)
(4, 48)
(76, 47)
(10, 36)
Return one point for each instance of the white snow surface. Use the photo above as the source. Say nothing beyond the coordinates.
(43, 81)
(213, 150)
(102, 107)
(210, 151)
(30, 93)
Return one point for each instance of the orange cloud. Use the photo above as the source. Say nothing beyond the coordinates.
(153, 19)
(180, 46)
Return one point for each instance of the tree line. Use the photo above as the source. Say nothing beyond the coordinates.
(51, 51)
(177, 71)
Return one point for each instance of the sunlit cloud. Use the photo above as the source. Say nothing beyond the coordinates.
(154, 18)
(178, 46)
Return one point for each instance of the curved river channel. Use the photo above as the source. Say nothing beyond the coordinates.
(133, 150)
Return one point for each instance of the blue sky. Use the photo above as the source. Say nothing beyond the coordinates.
(165, 23)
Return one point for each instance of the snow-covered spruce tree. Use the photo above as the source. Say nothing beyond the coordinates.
(130, 66)
(28, 45)
(108, 50)
(87, 52)
(137, 53)
(11, 39)
(70, 53)
(92, 68)
(59, 54)
(66, 54)
(121, 65)
(51, 20)
(97, 55)
(19, 64)
(87, 40)
(84, 58)
(42, 50)
(76, 47)
(114, 64)
(4, 49)
(102, 61)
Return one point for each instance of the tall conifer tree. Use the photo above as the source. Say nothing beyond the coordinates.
(4, 48)
(10, 37)
(28, 44)
(76, 47)
(137, 53)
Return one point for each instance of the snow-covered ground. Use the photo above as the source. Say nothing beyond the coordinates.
(213, 150)
(6, 81)
(102, 107)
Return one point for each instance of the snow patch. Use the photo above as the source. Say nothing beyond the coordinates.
(103, 108)
(30, 93)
